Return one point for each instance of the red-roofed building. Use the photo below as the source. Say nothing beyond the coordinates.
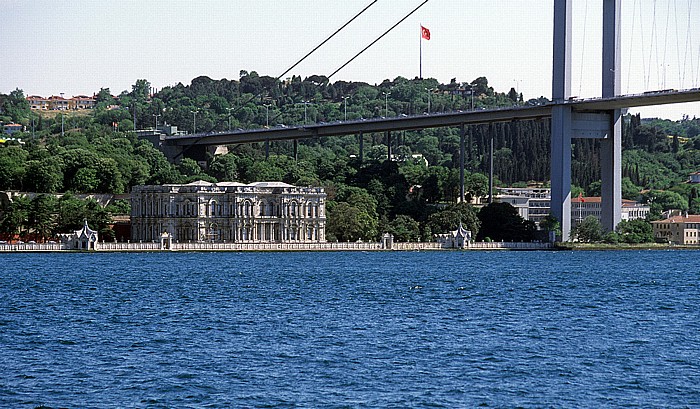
(12, 128)
(534, 204)
(83, 102)
(57, 103)
(37, 102)
(582, 207)
(678, 229)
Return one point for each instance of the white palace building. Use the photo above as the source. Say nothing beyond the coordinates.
(261, 212)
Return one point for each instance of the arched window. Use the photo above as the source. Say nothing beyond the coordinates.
(247, 208)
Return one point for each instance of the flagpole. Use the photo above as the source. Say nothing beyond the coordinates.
(420, 53)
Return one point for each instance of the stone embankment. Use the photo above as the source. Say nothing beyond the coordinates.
(204, 246)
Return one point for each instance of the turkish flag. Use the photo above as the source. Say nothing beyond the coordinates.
(425, 33)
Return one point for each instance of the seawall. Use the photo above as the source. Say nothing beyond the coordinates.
(328, 246)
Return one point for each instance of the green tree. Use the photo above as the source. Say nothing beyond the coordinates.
(12, 167)
(71, 214)
(588, 231)
(476, 185)
(189, 167)
(404, 228)
(16, 216)
(44, 175)
(350, 223)
(41, 215)
(660, 201)
(225, 167)
(501, 222)
(635, 231)
(16, 106)
(550, 224)
(119, 206)
(450, 219)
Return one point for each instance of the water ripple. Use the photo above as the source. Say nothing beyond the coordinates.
(345, 330)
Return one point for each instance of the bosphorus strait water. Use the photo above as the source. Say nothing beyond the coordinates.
(346, 330)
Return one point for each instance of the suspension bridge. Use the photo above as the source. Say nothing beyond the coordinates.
(598, 118)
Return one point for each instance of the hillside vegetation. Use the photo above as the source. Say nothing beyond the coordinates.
(412, 196)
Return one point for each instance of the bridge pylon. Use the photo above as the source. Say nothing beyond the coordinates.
(568, 124)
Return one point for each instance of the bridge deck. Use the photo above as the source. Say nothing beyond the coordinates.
(437, 120)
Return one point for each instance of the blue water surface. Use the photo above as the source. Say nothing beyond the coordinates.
(350, 330)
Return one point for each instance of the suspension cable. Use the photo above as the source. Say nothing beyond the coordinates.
(678, 49)
(688, 38)
(644, 66)
(240, 106)
(309, 53)
(378, 38)
(327, 39)
(668, 16)
(654, 40)
(583, 48)
(629, 64)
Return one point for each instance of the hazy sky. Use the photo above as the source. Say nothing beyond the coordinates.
(78, 46)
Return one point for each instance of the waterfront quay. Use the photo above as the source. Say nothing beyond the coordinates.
(211, 246)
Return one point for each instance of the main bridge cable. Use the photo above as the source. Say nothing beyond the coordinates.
(378, 38)
(240, 106)
(372, 43)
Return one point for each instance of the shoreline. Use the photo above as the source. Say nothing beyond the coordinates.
(328, 246)
(281, 247)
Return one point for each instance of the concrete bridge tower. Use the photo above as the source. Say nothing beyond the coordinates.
(568, 124)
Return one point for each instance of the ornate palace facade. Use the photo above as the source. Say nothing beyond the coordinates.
(263, 212)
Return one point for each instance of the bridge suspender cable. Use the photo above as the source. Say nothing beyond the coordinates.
(583, 50)
(378, 38)
(375, 41)
(327, 39)
(300, 60)
(310, 52)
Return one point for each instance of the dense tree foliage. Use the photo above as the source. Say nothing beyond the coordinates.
(588, 231)
(501, 222)
(414, 195)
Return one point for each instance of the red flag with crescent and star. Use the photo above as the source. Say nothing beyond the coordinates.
(425, 33)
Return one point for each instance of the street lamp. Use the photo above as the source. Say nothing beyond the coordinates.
(386, 103)
(156, 116)
(267, 114)
(305, 104)
(62, 108)
(229, 117)
(517, 89)
(430, 91)
(471, 93)
(194, 120)
(345, 102)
